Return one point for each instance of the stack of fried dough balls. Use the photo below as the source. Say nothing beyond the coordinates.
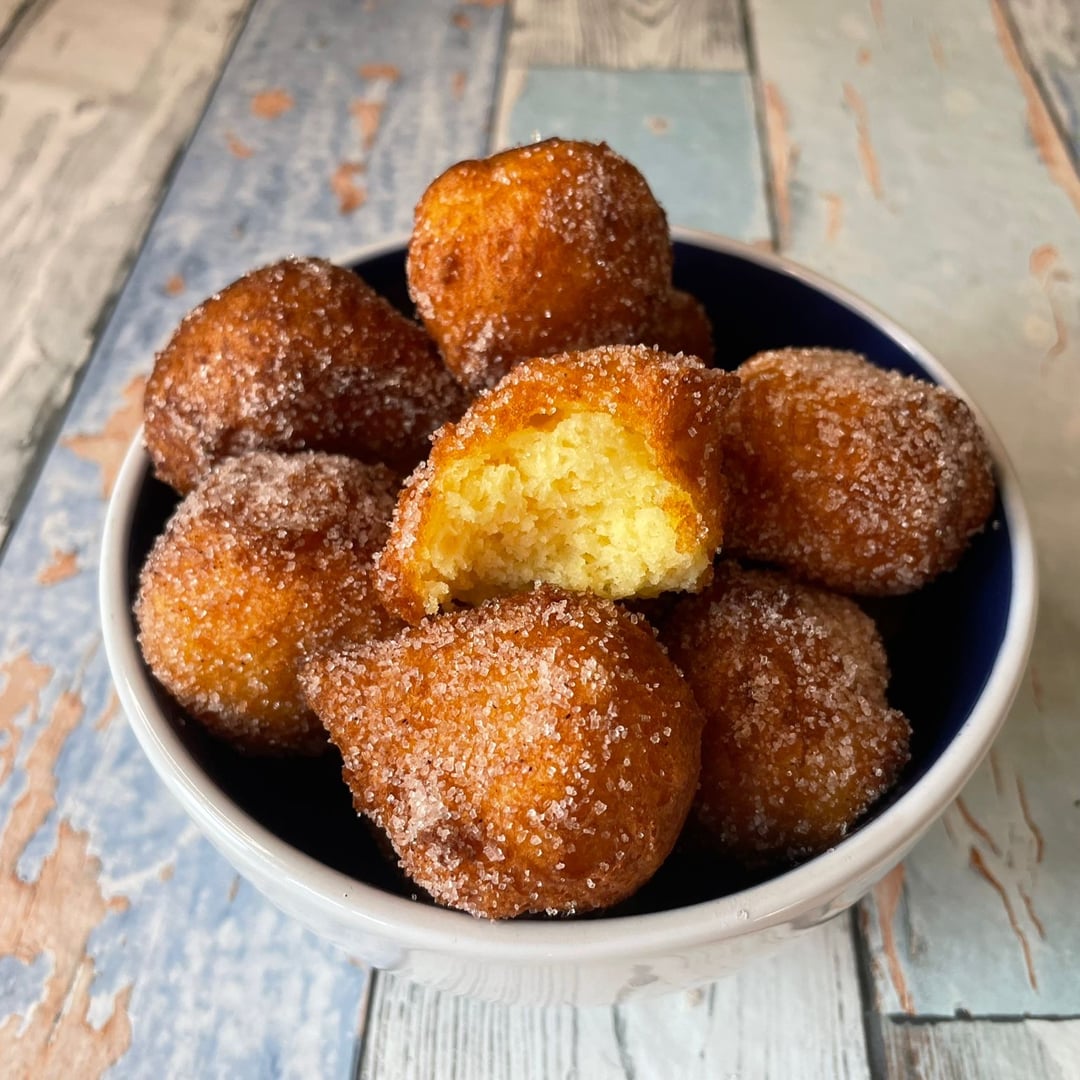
(267, 561)
(473, 642)
(537, 753)
(545, 249)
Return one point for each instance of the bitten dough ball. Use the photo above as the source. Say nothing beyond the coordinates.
(597, 471)
(799, 740)
(267, 561)
(538, 753)
(297, 355)
(537, 250)
(851, 476)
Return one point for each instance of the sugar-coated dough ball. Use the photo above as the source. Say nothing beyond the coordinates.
(538, 753)
(599, 471)
(682, 325)
(297, 355)
(799, 739)
(851, 476)
(537, 250)
(267, 561)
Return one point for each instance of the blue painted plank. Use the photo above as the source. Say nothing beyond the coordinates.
(692, 134)
(209, 978)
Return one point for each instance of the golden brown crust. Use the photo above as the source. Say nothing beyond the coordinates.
(537, 250)
(677, 404)
(854, 477)
(680, 324)
(267, 561)
(538, 753)
(799, 740)
(299, 354)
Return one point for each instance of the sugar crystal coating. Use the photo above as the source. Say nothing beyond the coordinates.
(799, 738)
(851, 476)
(268, 560)
(680, 324)
(297, 355)
(538, 753)
(537, 250)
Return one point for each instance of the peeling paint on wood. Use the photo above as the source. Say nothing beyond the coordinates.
(61, 566)
(1052, 149)
(107, 448)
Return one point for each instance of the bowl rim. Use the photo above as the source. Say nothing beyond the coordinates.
(796, 894)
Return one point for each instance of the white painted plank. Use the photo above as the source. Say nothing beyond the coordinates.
(793, 1015)
(126, 941)
(984, 1050)
(95, 100)
(920, 166)
(695, 35)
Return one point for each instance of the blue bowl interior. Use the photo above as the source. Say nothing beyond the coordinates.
(942, 641)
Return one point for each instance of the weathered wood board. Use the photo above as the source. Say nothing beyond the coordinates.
(93, 109)
(661, 35)
(1048, 33)
(914, 161)
(125, 940)
(986, 1050)
(797, 1014)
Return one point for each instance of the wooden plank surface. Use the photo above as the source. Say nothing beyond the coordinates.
(125, 940)
(95, 101)
(1049, 34)
(988, 1050)
(685, 35)
(919, 165)
(911, 155)
(794, 1015)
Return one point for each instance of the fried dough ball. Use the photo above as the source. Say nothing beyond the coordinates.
(851, 476)
(538, 753)
(681, 325)
(799, 740)
(597, 471)
(299, 354)
(267, 561)
(537, 250)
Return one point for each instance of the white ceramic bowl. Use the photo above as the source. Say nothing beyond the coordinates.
(958, 652)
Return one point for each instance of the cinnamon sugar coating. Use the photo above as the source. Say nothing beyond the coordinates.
(851, 476)
(538, 753)
(680, 324)
(598, 471)
(799, 739)
(268, 560)
(297, 355)
(537, 250)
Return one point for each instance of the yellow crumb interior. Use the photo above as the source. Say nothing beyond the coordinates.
(574, 500)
